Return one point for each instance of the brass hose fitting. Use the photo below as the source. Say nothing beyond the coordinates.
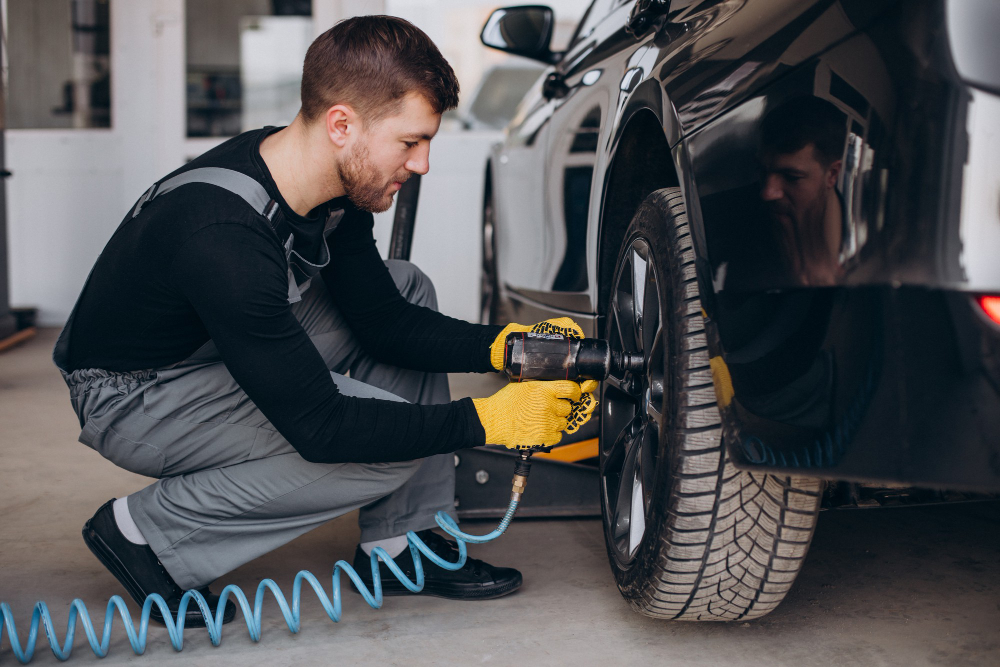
(521, 470)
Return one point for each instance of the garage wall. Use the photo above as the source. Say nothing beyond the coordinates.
(71, 187)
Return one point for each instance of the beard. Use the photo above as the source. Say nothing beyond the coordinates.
(363, 183)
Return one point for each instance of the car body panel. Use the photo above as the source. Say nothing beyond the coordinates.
(865, 358)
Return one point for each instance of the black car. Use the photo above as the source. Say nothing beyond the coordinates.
(791, 209)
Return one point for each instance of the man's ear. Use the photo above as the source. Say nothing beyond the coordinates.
(341, 122)
(833, 173)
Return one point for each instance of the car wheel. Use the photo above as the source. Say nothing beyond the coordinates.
(488, 289)
(688, 535)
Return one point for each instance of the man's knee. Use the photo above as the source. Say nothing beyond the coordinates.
(412, 283)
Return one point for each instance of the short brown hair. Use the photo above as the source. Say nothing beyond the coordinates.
(370, 63)
(804, 120)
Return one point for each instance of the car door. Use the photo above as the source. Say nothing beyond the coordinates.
(566, 154)
(518, 195)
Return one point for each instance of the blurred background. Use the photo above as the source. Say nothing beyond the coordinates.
(104, 97)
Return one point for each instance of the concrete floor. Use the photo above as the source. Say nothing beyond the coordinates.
(916, 586)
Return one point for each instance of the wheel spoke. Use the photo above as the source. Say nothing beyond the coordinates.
(619, 413)
(613, 480)
(616, 478)
(623, 304)
(626, 483)
(617, 338)
(651, 322)
(647, 463)
(639, 268)
(653, 411)
(615, 455)
(632, 483)
(655, 386)
(637, 521)
(617, 383)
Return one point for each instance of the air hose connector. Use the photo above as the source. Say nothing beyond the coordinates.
(521, 469)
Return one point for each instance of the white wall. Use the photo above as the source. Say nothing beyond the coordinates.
(71, 188)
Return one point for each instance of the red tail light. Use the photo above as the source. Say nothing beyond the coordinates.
(991, 306)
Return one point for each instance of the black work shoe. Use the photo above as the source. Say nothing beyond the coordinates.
(140, 571)
(475, 581)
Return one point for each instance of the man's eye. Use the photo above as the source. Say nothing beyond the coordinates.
(411, 144)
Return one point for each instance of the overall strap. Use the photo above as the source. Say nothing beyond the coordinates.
(300, 271)
(245, 187)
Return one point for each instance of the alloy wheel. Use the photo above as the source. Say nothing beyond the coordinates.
(632, 419)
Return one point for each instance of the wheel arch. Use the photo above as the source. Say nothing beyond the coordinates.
(641, 163)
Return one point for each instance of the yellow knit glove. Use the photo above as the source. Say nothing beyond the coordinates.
(560, 325)
(581, 410)
(523, 415)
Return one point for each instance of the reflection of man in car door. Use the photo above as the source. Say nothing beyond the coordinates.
(802, 386)
(775, 339)
(802, 142)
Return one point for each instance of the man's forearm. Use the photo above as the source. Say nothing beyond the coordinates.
(367, 430)
(422, 339)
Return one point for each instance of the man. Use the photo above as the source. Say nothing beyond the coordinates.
(210, 344)
(802, 144)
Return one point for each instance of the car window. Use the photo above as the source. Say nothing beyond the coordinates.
(500, 93)
(598, 10)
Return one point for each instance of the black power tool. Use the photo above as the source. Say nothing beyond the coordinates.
(545, 356)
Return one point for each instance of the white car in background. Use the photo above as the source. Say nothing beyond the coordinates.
(448, 227)
(497, 96)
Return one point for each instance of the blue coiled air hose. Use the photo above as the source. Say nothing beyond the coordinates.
(252, 616)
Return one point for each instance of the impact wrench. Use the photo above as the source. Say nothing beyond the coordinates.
(527, 356)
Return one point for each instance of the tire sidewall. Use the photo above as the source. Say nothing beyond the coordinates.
(654, 223)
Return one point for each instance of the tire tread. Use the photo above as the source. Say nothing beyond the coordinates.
(733, 540)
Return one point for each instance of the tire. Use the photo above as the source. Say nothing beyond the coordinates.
(489, 289)
(689, 536)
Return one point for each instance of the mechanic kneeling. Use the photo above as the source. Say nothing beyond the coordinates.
(210, 345)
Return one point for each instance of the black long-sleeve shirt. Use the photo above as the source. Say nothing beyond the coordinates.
(198, 263)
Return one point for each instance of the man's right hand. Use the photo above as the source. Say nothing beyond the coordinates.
(529, 414)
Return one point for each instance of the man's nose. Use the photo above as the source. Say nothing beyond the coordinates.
(772, 188)
(419, 162)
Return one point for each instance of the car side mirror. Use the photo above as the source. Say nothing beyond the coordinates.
(523, 31)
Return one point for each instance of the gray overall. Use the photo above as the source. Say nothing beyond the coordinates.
(230, 487)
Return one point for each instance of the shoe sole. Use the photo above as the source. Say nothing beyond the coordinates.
(107, 556)
(394, 588)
